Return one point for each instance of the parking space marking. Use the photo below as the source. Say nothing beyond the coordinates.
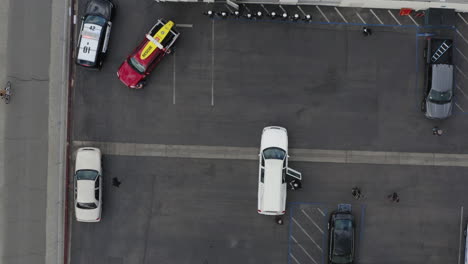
(184, 25)
(461, 232)
(458, 87)
(303, 249)
(341, 15)
(462, 18)
(459, 33)
(307, 234)
(394, 17)
(362, 19)
(247, 8)
(414, 21)
(212, 61)
(295, 259)
(321, 211)
(302, 11)
(298, 155)
(174, 80)
(323, 14)
(461, 53)
(264, 8)
(282, 9)
(459, 107)
(378, 18)
(460, 71)
(228, 8)
(313, 222)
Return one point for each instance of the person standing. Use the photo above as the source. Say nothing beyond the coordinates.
(356, 192)
(393, 197)
(116, 182)
(366, 31)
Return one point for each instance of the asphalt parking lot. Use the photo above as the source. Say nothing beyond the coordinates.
(329, 85)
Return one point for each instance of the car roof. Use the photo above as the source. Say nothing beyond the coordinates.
(272, 196)
(85, 191)
(442, 77)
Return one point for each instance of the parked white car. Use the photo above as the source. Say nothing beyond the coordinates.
(273, 168)
(88, 185)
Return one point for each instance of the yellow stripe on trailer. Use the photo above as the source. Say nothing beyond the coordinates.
(150, 47)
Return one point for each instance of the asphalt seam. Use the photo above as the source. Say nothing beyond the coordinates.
(301, 155)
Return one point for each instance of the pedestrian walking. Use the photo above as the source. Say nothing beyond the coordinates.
(249, 16)
(356, 192)
(273, 15)
(295, 185)
(279, 220)
(393, 197)
(436, 131)
(236, 14)
(222, 14)
(366, 31)
(2, 93)
(295, 17)
(284, 15)
(259, 14)
(116, 182)
(307, 18)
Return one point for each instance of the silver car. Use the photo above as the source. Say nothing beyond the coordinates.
(439, 100)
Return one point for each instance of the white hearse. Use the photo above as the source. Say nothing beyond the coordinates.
(272, 172)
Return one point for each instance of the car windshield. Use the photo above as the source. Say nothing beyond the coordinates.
(274, 153)
(343, 240)
(137, 65)
(95, 20)
(86, 175)
(86, 205)
(440, 97)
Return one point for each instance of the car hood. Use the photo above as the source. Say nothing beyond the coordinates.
(438, 111)
(101, 8)
(128, 75)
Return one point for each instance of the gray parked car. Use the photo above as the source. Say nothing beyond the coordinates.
(438, 90)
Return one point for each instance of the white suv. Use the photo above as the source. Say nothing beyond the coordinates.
(88, 185)
(273, 168)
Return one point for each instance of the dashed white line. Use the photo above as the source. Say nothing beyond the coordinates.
(458, 87)
(394, 17)
(464, 39)
(302, 11)
(212, 61)
(462, 18)
(341, 15)
(295, 259)
(323, 14)
(303, 249)
(460, 71)
(461, 109)
(313, 222)
(184, 25)
(461, 232)
(461, 53)
(174, 80)
(362, 19)
(414, 21)
(378, 18)
(307, 234)
(321, 211)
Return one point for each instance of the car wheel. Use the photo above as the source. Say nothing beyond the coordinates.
(141, 84)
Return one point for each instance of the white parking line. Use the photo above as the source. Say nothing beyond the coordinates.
(459, 107)
(464, 39)
(372, 11)
(321, 211)
(323, 14)
(307, 234)
(264, 8)
(414, 21)
(362, 19)
(228, 8)
(303, 249)
(462, 18)
(212, 61)
(174, 80)
(461, 232)
(460, 71)
(313, 222)
(302, 11)
(282, 9)
(295, 259)
(184, 25)
(394, 17)
(461, 53)
(247, 8)
(341, 15)
(458, 87)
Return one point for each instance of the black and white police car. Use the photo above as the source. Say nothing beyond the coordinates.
(94, 33)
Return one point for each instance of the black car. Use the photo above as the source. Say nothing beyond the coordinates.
(94, 33)
(341, 237)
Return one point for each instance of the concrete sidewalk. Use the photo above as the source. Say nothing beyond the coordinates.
(33, 56)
